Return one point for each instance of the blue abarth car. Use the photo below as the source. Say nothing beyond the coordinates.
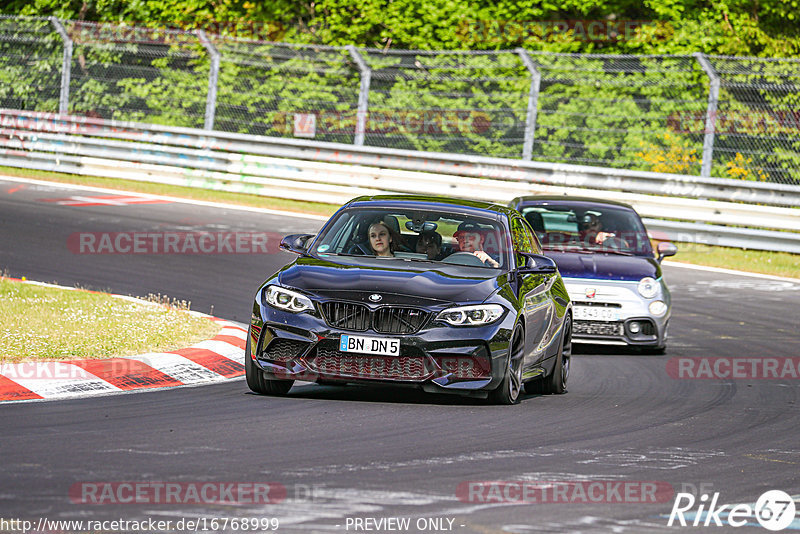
(611, 272)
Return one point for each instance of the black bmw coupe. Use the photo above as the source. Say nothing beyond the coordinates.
(447, 295)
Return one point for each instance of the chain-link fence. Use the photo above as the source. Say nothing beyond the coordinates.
(702, 115)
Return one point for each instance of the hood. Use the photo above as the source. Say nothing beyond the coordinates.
(398, 282)
(604, 266)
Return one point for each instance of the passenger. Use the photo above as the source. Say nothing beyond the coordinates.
(470, 238)
(380, 239)
(430, 244)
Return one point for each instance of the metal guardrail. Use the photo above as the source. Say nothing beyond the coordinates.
(330, 172)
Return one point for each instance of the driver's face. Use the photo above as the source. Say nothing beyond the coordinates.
(469, 241)
(592, 224)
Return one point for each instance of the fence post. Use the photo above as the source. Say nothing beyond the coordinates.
(213, 78)
(533, 103)
(711, 113)
(66, 67)
(363, 95)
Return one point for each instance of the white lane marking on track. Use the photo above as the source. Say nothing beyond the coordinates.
(729, 271)
(59, 185)
(713, 286)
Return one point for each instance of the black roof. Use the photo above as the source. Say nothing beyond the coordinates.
(526, 200)
(431, 201)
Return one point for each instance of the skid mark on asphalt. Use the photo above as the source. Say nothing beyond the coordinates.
(660, 459)
(668, 459)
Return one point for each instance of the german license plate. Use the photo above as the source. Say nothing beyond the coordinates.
(595, 313)
(384, 346)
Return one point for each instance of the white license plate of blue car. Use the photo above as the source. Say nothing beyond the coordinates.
(595, 313)
(384, 346)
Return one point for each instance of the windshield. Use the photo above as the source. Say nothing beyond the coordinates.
(570, 227)
(425, 236)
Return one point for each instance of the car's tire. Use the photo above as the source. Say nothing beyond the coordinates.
(511, 387)
(653, 351)
(256, 381)
(556, 382)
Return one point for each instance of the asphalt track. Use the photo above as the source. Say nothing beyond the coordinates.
(377, 453)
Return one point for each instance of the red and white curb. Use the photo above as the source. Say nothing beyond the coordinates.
(213, 360)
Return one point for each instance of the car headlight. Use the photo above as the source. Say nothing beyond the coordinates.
(648, 287)
(285, 299)
(658, 308)
(479, 314)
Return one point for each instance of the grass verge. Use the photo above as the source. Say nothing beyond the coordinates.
(39, 323)
(755, 261)
(774, 263)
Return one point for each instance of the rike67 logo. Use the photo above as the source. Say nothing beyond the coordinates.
(774, 510)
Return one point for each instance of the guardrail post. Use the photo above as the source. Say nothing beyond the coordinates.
(213, 78)
(363, 95)
(711, 113)
(66, 67)
(533, 103)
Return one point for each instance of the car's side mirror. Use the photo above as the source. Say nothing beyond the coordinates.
(296, 243)
(666, 249)
(538, 264)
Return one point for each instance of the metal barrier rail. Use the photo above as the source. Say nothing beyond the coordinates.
(317, 171)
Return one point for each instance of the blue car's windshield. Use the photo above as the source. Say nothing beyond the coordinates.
(575, 227)
(430, 236)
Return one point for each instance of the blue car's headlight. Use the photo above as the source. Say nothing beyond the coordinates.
(479, 314)
(648, 287)
(285, 299)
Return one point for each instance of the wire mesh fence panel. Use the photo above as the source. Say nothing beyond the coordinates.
(31, 57)
(140, 74)
(632, 112)
(758, 122)
(620, 111)
(287, 90)
(461, 102)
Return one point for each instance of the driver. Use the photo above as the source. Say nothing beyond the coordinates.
(592, 230)
(470, 239)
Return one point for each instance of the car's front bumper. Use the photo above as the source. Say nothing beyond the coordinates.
(439, 358)
(614, 313)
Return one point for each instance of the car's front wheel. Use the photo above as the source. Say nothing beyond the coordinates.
(509, 390)
(556, 382)
(255, 377)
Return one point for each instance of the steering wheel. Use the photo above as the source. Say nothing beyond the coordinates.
(463, 258)
(614, 243)
(361, 249)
